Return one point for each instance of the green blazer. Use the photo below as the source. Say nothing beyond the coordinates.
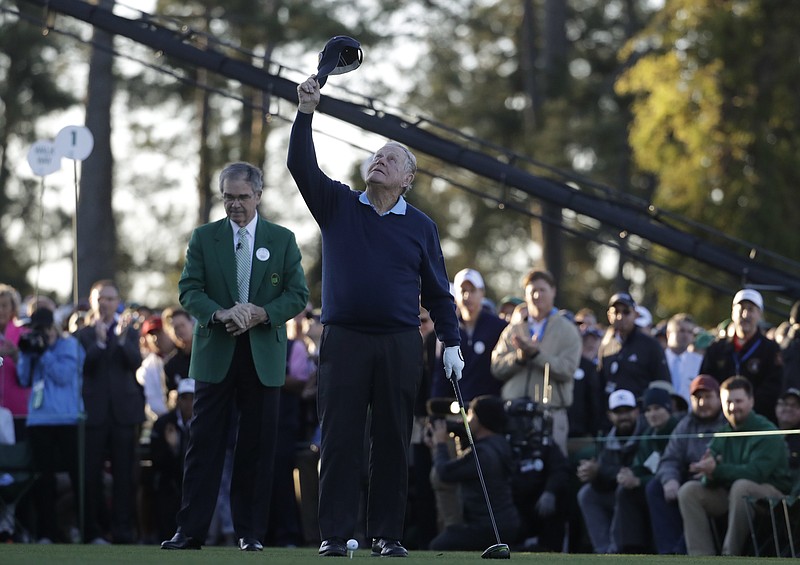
(208, 283)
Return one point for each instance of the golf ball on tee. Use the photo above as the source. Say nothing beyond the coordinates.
(352, 544)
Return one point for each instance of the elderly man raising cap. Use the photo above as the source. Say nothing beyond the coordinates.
(748, 352)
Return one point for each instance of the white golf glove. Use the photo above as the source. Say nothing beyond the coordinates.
(453, 362)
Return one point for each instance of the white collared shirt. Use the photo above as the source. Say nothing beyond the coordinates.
(399, 208)
(683, 368)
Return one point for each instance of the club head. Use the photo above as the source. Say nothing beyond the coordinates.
(497, 551)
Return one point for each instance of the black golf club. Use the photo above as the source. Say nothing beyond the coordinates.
(499, 550)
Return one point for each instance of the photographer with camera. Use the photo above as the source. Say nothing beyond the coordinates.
(52, 365)
(487, 421)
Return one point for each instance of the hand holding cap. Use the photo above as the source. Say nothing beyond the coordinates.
(340, 55)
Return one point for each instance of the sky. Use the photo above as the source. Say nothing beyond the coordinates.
(280, 199)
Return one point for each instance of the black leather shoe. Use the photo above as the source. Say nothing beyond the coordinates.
(333, 547)
(180, 541)
(250, 544)
(382, 547)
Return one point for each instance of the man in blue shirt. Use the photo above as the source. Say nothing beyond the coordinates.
(380, 258)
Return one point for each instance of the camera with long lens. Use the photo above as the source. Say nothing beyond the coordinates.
(529, 431)
(445, 409)
(33, 342)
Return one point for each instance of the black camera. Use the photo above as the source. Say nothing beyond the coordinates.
(530, 424)
(33, 343)
(529, 432)
(445, 409)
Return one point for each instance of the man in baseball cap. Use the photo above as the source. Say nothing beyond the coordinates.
(468, 275)
(748, 352)
(687, 444)
(150, 373)
(479, 329)
(621, 398)
(704, 382)
(633, 359)
(596, 498)
(750, 295)
(622, 298)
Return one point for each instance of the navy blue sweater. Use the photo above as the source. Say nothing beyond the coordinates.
(375, 268)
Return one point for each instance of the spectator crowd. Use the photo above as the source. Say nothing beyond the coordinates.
(596, 433)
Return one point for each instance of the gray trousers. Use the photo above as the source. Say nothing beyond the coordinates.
(598, 513)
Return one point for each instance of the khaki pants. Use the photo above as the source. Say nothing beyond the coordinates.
(699, 504)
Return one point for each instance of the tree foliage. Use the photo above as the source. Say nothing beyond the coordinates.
(716, 120)
(477, 77)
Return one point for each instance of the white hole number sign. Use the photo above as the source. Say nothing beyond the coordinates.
(75, 142)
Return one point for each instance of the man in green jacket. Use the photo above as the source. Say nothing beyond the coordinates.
(734, 467)
(242, 280)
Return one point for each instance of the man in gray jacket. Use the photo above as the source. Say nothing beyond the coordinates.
(673, 470)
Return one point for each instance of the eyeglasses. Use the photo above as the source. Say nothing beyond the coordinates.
(242, 198)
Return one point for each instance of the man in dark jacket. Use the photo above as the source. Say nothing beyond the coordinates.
(629, 358)
(748, 352)
(688, 443)
(630, 512)
(114, 402)
(596, 497)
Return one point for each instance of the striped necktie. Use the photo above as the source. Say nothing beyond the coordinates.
(243, 266)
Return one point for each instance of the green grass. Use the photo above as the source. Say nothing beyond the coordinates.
(13, 554)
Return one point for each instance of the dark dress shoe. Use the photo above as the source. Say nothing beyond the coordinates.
(382, 547)
(250, 544)
(180, 541)
(333, 547)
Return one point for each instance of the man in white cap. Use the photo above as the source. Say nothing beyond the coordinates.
(748, 352)
(597, 497)
(479, 330)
